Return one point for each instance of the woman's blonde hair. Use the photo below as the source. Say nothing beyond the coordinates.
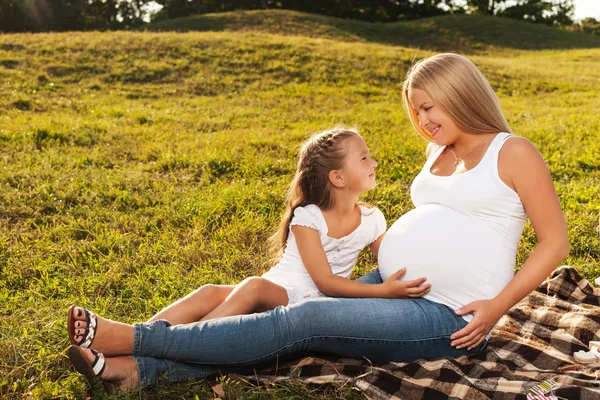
(319, 155)
(460, 90)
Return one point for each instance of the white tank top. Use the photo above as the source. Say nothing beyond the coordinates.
(463, 234)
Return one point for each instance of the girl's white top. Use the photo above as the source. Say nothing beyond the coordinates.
(463, 234)
(341, 253)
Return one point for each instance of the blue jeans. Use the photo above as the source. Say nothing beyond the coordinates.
(400, 330)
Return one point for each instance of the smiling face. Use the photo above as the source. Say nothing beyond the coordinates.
(431, 118)
(358, 171)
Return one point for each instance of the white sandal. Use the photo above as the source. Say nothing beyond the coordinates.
(588, 357)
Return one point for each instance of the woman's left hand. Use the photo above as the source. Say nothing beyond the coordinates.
(485, 315)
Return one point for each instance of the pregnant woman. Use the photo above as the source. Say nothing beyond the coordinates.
(471, 200)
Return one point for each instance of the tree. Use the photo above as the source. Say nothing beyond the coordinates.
(564, 12)
(40, 15)
(486, 7)
(590, 25)
(13, 17)
(62, 15)
(370, 10)
(549, 12)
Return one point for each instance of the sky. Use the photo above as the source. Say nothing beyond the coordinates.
(587, 8)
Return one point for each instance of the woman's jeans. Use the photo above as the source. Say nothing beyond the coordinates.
(399, 330)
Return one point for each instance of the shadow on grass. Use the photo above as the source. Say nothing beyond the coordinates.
(466, 33)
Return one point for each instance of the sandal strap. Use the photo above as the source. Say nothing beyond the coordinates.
(99, 363)
(93, 320)
(90, 330)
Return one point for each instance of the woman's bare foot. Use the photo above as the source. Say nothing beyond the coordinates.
(122, 372)
(111, 338)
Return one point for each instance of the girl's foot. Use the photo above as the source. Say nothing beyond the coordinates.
(118, 372)
(109, 337)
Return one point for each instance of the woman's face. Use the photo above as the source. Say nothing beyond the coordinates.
(431, 118)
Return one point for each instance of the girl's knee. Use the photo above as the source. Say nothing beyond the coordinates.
(252, 291)
(203, 294)
(252, 285)
(206, 290)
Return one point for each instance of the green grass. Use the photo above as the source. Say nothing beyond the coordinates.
(137, 166)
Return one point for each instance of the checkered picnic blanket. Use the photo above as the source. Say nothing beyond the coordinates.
(533, 343)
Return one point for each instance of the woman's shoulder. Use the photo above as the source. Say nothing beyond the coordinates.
(517, 149)
(518, 145)
(431, 148)
(517, 156)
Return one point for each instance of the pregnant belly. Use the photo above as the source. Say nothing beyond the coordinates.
(454, 252)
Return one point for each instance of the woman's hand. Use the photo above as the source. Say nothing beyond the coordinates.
(393, 288)
(485, 315)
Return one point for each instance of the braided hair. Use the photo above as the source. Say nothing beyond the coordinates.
(320, 155)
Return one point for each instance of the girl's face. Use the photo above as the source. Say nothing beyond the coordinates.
(358, 171)
(431, 118)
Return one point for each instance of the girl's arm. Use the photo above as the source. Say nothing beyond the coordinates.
(375, 245)
(316, 263)
(524, 168)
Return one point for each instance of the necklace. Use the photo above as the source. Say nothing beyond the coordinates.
(461, 160)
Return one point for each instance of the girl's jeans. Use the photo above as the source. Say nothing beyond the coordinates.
(399, 330)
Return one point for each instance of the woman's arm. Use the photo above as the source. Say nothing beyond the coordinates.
(523, 169)
(315, 261)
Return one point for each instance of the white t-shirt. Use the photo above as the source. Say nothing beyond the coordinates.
(341, 253)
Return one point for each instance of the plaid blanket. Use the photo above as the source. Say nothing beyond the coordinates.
(534, 342)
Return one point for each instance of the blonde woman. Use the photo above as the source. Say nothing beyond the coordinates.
(470, 202)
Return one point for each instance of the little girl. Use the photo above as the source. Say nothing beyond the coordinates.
(322, 231)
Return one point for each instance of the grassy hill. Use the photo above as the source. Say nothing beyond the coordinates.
(465, 33)
(137, 166)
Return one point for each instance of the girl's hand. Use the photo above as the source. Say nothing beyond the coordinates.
(393, 288)
(485, 315)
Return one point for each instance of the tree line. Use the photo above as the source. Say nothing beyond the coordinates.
(64, 15)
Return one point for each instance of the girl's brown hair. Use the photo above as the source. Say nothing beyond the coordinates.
(319, 155)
